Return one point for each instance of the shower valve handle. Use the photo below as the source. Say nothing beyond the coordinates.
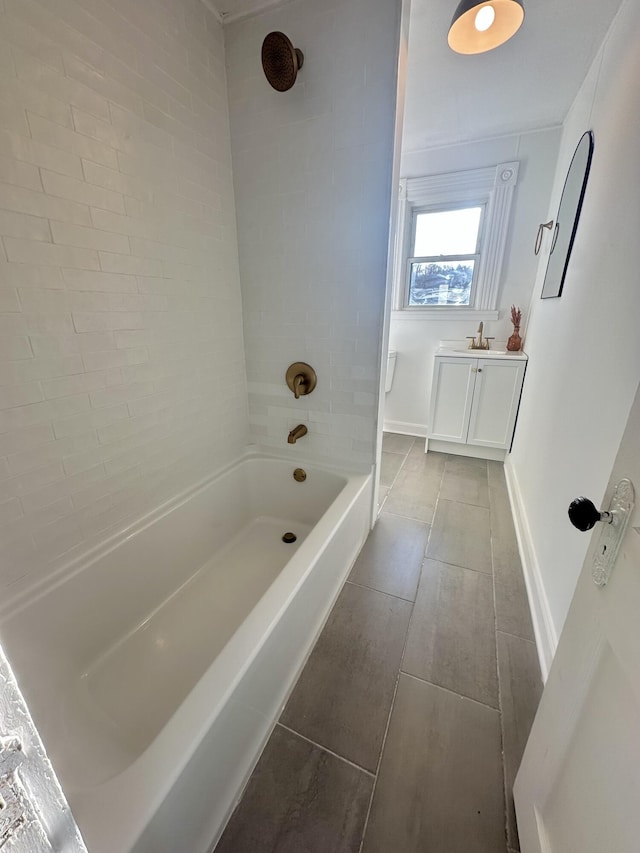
(301, 379)
(299, 382)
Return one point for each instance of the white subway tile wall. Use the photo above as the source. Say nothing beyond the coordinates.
(122, 373)
(312, 174)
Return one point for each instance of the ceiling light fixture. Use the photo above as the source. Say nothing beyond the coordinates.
(479, 26)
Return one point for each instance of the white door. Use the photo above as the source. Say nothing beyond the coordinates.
(578, 788)
(451, 394)
(495, 402)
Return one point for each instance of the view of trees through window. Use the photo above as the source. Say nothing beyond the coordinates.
(444, 254)
(441, 283)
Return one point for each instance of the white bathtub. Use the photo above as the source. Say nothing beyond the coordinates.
(155, 671)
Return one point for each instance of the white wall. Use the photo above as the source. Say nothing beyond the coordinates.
(584, 347)
(312, 173)
(121, 353)
(416, 338)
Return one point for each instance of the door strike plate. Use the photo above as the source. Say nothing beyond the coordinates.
(612, 532)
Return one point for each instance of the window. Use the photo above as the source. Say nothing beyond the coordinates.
(445, 248)
(451, 238)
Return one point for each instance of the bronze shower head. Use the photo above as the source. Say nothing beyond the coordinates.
(281, 61)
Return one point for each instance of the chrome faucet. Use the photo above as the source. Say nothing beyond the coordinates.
(296, 433)
(481, 343)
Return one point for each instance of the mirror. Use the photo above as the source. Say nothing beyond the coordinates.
(566, 224)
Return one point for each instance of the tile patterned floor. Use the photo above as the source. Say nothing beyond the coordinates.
(406, 728)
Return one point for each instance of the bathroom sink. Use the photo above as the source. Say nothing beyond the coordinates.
(482, 352)
(463, 350)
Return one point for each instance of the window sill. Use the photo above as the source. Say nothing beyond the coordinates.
(462, 314)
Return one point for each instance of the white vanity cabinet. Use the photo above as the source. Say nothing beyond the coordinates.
(474, 402)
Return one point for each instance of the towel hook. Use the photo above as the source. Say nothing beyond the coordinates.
(549, 226)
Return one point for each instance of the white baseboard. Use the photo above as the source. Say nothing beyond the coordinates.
(545, 632)
(474, 450)
(405, 428)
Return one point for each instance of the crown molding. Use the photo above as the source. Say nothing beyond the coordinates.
(249, 8)
(213, 9)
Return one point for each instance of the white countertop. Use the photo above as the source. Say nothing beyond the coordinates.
(464, 352)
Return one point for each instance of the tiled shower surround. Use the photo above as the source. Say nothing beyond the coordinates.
(121, 352)
(312, 174)
(122, 360)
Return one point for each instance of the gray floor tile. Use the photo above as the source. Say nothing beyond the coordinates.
(389, 467)
(299, 798)
(451, 640)
(469, 460)
(415, 490)
(343, 697)
(512, 610)
(512, 605)
(461, 535)
(424, 463)
(465, 480)
(392, 556)
(506, 557)
(440, 783)
(495, 474)
(520, 691)
(394, 442)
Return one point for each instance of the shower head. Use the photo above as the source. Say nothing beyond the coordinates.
(281, 61)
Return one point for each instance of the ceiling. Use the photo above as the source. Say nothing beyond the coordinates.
(527, 83)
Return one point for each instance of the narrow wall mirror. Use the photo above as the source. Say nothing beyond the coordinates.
(566, 225)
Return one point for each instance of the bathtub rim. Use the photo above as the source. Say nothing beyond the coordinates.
(76, 561)
(168, 751)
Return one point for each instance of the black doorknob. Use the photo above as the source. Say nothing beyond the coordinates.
(584, 515)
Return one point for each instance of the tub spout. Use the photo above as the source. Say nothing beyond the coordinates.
(296, 433)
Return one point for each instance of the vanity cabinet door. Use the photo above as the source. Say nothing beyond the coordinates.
(496, 397)
(451, 396)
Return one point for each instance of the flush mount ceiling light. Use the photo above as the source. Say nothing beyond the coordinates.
(479, 26)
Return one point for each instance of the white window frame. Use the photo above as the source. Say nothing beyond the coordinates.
(493, 187)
